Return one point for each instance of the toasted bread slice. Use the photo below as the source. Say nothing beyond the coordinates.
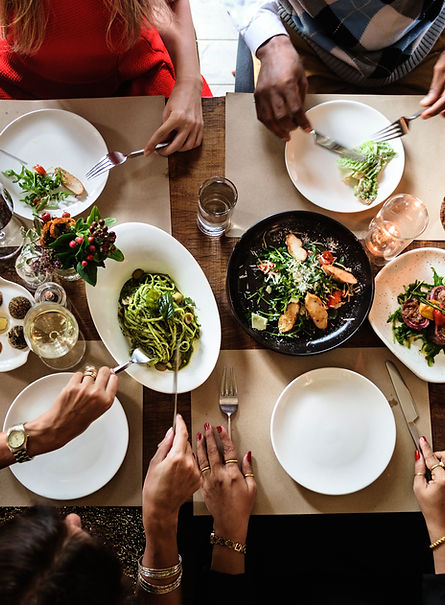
(316, 310)
(295, 247)
(287, 320)
(71, 182)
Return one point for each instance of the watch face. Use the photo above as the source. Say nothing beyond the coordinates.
(16, 438)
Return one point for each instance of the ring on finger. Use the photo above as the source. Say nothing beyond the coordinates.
(419, 474)
(204, 468)
(436, 465)
(231, 461)
(249, 475)
(90, 371)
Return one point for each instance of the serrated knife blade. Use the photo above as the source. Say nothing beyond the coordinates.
(406, 401)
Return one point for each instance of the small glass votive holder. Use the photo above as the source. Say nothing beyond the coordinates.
(401, 219)
(216, 199)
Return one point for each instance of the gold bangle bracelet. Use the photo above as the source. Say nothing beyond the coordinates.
(236, 546)
(437, 543)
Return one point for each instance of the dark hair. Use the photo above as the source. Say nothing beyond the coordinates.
(40, 564)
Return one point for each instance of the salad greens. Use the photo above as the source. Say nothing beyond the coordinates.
(406, 335)
(363, 176)
(285, 280)
(43, 188)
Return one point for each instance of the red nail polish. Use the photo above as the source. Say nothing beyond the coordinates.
(219, 428)
(198, 436)
(206, 426)
(423, 439)
(417, 455)
(249, 456)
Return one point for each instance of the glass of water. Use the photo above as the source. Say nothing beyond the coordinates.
(216, 199)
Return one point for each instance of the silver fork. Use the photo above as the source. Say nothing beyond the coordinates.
(397, 129)
(137, 356)
(115, 158)
(228, 396)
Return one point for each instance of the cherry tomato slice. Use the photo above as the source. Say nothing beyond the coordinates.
(326, 258)
(334, 298)
(39, 169)
(439, 317)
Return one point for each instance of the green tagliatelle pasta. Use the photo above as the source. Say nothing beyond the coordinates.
(155, 316)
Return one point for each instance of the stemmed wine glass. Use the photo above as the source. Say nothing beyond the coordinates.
(11, 238)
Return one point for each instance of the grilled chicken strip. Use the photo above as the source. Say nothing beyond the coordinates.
(345, 277)
(316, 310)
(287, 320)
(295, 247)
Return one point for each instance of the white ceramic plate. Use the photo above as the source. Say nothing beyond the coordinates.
(83, 465)
(389, 283)
(153, 250)
(51, 138)
(11, 358)
(314, 171)
(333, 431)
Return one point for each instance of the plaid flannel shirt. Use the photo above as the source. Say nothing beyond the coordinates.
(367, 42)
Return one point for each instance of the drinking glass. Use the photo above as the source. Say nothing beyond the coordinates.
(401, 219)
(51, 331)
(11, 238)
(216, 199)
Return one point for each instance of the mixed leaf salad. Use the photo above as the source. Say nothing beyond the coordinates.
(45, 189)
(363, 176)
(302, 287)
(420, 316)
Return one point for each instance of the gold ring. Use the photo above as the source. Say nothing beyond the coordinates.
(436, 465)
(204, 468)
(419, 474)
(249, 475)
(231, 460)
(90, 371)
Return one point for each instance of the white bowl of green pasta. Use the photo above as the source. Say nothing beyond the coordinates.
(158, 298)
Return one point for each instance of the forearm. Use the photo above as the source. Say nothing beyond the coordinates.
(436, 533)
(225, 559)
(179, 39)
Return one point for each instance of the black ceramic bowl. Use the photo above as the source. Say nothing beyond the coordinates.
(243, 278)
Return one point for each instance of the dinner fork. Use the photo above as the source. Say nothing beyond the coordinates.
(397, 129)
(228, 396)
(115, 158)
(137, 356)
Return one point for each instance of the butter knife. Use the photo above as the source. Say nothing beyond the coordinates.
(405, 400)
(331, 145)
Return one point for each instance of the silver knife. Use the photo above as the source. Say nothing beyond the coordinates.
(175, 385)
(331, 145)
(405, 400)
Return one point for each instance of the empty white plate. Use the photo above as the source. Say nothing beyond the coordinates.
(333, 431)
(314, 170)
(83, 465)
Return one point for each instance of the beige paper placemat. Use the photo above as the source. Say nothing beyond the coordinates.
(125, 487)
(255, 163)
(261, 376)
(139, 189)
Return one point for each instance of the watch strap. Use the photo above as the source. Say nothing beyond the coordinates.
(20, 454)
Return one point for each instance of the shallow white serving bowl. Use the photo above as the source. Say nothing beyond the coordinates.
(389, 283)
(11, 358)
(333, 431)
(314, 170)
(83, 465)
(149, 248)
(51, 138)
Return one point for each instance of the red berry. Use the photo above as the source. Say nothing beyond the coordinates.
(72, 243)
(90, 257)
(46, 217)
(91, 239)
(79, 239)
(66, 215)
(84, 263)
(92, 248)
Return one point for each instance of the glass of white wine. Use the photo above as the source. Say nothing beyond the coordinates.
(52, 332)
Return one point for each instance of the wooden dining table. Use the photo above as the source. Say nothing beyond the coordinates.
(186, 172)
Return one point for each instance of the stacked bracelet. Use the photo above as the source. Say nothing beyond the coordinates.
(437, 543)
(236, 546)
(145, 574)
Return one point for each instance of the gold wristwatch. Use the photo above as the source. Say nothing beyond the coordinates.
(17, 440)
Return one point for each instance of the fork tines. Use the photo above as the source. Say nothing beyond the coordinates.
(102, 165)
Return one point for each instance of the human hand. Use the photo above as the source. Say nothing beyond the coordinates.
(79, 403)
(281, 88)
(430, 494)
(181, 120)
(435, 99)
(172, 477)
(229, 495)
